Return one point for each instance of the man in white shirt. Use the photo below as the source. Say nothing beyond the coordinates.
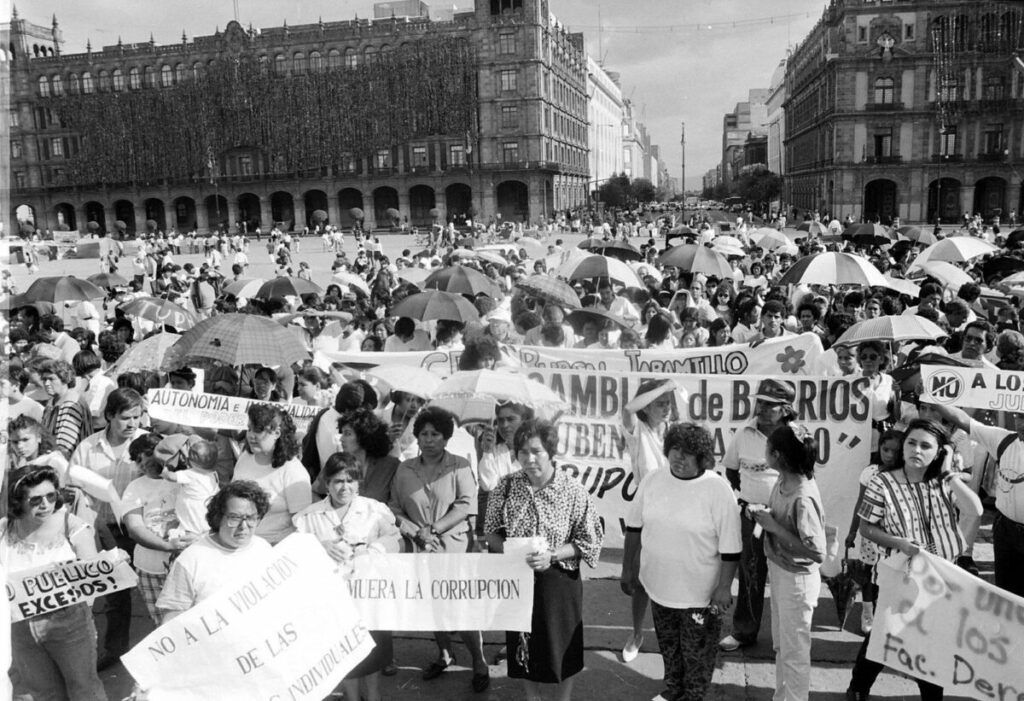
(407, 337)
(975, 345)
(52, 328)
(617, 306)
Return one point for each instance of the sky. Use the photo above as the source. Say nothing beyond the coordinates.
(680, 60)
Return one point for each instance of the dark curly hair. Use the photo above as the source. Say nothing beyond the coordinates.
(546, 431)
(47, 443)
(268, 416)
(442, 421)
(22, 480)
(242, 489)
(692, 439)
(371, 432)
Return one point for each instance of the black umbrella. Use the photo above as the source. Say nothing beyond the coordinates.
(1016, 238)
(615, 249)
(1001, 266)
(844, 588)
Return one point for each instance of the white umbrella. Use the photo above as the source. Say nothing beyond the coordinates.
(352, 280)
(406, 378)
(834, 269)
(946, 273)
(904, 327)
(955, 249)
(902, 286)
(465, 388)
(600, 266)
(534, 248)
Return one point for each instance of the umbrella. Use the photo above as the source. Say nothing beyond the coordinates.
(904, 287)
(811, 227)
(406, 378)
(682, 230)
(107, 280)
(435, 304)
(578, 317)
(795, 234)
(946, 273)
(905, 327)
(647, 269)
(352, 280)
(144, 355)
(908, 375)
(956, 249)
(414, 275)
(502, 387)
(550, 289)
(615, 249)
(600, 266)
(1015, 238)
(62, 289)
(245, 287)
(237, 339)
(161, 312)
(770, 239)
(19, 300)
(1003, 265)
(833, 268)
(916, 233)
(696, 259)
(1015, 279)
(461, 280)
(534, 248)
(491, 257)
(285, 286)
(869, 234)
(844, 588)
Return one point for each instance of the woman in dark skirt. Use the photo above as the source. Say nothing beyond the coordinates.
(545, 504)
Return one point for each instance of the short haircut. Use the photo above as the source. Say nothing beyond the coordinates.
(51, 322)
(242, 489)
(23, 479)
(59, 369)
(773, 306)
(546, 431)
(442, 421)
(143, 445)
(342, 463)
(121, 399)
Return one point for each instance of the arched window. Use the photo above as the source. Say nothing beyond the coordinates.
(149, 77)
(118, 77)
(104, 81)
(351, 58)
(370, 54)
(994, 88)
(87, 87)
(298, 63)
(334, 59)
(134, 78)
(166, 76)
(280, 64)
(316, 61)
(198, 69)
(44, 86)
(884, 89)
(180, 73)
(73, 86)
(58, 85)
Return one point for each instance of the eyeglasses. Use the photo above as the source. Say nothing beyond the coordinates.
(869, 356)
(37, 501)
(235, 520)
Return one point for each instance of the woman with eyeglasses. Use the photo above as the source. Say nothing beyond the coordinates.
(270, 459)
(222, 555)
(53, 654)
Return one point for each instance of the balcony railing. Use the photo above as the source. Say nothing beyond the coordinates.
(883, 107)
(947, 158)
(883, 160)
(992, 157)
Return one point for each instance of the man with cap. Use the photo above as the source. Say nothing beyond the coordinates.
(753, 481)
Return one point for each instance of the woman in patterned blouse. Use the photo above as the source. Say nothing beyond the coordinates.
(911, 508)
(546, 504)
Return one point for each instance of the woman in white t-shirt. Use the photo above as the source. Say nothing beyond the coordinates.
(683, 547)
(270, 459)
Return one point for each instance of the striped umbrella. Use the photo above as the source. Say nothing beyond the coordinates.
(833, 268)
(435, 304)
(245, 287)
(65, 288)
(284, 286)
(236, 339)
(696, 259)
(615, 249)
(161, 312)
(600, 266)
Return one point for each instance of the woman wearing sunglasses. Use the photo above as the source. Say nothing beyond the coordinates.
(53, 654)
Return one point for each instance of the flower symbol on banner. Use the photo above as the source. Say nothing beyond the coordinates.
(791, 360)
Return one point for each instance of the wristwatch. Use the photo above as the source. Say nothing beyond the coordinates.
(433, 531)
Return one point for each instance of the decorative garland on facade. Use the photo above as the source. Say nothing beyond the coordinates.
(300, 122)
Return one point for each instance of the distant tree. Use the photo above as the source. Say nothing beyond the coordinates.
(616, 191)
(758, 187)
(644, 190)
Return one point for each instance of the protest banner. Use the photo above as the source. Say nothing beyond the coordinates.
(973, 388)
(49, 588)
(429, 592)
(216, 410)
(936, 622)
(286, 630)
(788, 356)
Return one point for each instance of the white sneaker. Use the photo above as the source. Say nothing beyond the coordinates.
(729, 644)
(867, 616)
(632, 648)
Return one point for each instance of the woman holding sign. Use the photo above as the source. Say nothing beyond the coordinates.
(53, 654)
(911, 507)
(552, 512)
(349, 525)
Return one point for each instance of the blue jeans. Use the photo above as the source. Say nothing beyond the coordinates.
(54, 656)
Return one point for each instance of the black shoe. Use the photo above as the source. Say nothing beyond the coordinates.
(966, 562)
(481, 682)
(436, 669)
(852, 695)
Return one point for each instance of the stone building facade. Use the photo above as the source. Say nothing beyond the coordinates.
(908, 108)
(524, 158)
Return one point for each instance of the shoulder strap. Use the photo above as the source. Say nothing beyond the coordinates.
(67, 525)
(1004, 444)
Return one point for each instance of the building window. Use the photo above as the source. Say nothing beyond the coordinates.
(506, 43)
(298, 63)
(510, 153)
(949, 89)
(15, 149)
(508, 80)
(58, 85)
(883, 143)
(149, 77)
(383, 160)
(118, 80)
(348, 163)
(884, 90)
(908, 32)
(351, 58)
(334, 59)
(166, 76)
(862, 34)
(87, 87)
(280, 64)
(197, 70)
(180, 73)
(457, 155)
(245, 165)
(316, 61)
(19, 180)
(134, 79)
(509, 116)
(994, 88)
(947, 142)
(57, 147)
(993, 138)
(419, 157)
(44, 86)
(502, 6)
(74, 87)
(371, 54)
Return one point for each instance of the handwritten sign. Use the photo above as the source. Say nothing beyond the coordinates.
(443, 592)
(285, 631)
(50, 588)
(216, 410)
(973, 388)
(936, 622)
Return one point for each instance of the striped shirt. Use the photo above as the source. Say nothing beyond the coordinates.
(69, 422)
(922, 512)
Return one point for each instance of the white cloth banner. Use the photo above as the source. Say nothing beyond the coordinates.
(973, 388)
(936, 622)
(215, 410)
(788, 356)
(285, 631)
(429, 592)
(50, 588)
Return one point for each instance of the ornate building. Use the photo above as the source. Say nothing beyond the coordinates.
(908, 108)
(485, 114)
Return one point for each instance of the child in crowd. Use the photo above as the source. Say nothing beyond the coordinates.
(198, 482)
